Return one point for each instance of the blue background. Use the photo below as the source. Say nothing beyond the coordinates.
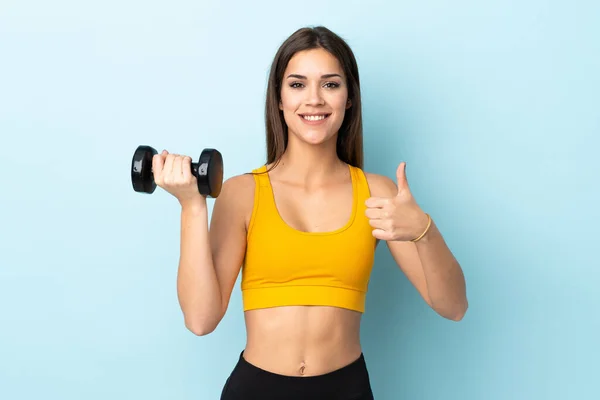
(495, 106)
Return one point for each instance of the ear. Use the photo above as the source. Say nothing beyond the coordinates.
(280, 105)
(348, 104)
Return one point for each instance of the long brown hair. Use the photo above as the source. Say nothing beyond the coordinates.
(350, 136)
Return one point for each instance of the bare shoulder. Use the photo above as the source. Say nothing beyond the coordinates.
(236, 197)
(381, 185)
(242, 184)
(238, 190)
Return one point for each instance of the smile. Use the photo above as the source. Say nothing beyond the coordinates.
(314, 117)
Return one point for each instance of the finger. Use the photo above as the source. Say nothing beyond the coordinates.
(168, 168)
(375, 213)
(177, 170)
(382, 234)
(157, 166)
(377, 202)
(381, 224)
(401, 178)
(186, 166)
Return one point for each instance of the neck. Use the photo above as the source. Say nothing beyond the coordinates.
(310, 163)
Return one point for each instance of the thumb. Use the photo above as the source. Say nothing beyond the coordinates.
(401, 178)
(158, 164)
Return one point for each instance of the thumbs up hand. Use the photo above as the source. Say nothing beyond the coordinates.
(398, 217)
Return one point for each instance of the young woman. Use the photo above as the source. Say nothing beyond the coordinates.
(303, 229)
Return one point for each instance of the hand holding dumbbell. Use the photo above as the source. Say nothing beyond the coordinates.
(177, 174)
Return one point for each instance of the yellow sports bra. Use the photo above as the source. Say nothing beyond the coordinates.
(284, 266)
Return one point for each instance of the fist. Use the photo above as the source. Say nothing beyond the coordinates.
(173, 173)
(397, 216)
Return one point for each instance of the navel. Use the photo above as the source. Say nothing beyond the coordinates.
(302, 368)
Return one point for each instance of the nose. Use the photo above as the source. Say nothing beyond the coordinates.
(314, 96)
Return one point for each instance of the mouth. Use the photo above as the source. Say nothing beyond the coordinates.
(314, 117)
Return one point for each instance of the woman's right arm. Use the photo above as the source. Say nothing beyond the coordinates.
(210, 260)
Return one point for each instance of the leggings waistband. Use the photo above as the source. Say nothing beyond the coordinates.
(250, 381)
(356, 366)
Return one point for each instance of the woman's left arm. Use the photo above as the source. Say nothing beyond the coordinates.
(427, 263)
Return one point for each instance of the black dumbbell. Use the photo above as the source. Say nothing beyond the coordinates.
(208, 171)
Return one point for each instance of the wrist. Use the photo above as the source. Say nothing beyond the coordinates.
(193, 206)
(423, 227)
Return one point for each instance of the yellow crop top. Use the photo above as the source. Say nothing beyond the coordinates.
(284, 266)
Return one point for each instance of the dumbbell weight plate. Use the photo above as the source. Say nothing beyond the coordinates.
(142, 178)
(209, 172)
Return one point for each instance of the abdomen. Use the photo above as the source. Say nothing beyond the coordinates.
(283, 340)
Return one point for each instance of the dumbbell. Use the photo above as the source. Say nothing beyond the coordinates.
(208, 171)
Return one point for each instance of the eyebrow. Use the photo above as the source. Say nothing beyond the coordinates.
(326, 76)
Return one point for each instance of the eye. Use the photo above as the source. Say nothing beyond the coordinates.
(328, 85)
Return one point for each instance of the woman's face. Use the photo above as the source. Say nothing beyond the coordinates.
(314, 96)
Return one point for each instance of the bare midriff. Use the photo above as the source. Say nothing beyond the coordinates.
(302, 340)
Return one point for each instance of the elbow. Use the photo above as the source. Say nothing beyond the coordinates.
(458, 314)
(202, 322)
(456, 317)
(200, 328)
(201, 331)
(455, 314)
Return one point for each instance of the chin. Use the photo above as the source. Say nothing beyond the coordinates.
(316, 134)
(315, 137)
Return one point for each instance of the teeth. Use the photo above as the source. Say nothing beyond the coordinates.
(314, 117)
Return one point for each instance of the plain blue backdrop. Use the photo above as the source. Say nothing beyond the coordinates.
(495, 106)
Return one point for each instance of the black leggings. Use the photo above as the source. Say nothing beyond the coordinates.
(248, 382)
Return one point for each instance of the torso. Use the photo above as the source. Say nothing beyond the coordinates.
(302, 340)
(324, 208)
(306, 340)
